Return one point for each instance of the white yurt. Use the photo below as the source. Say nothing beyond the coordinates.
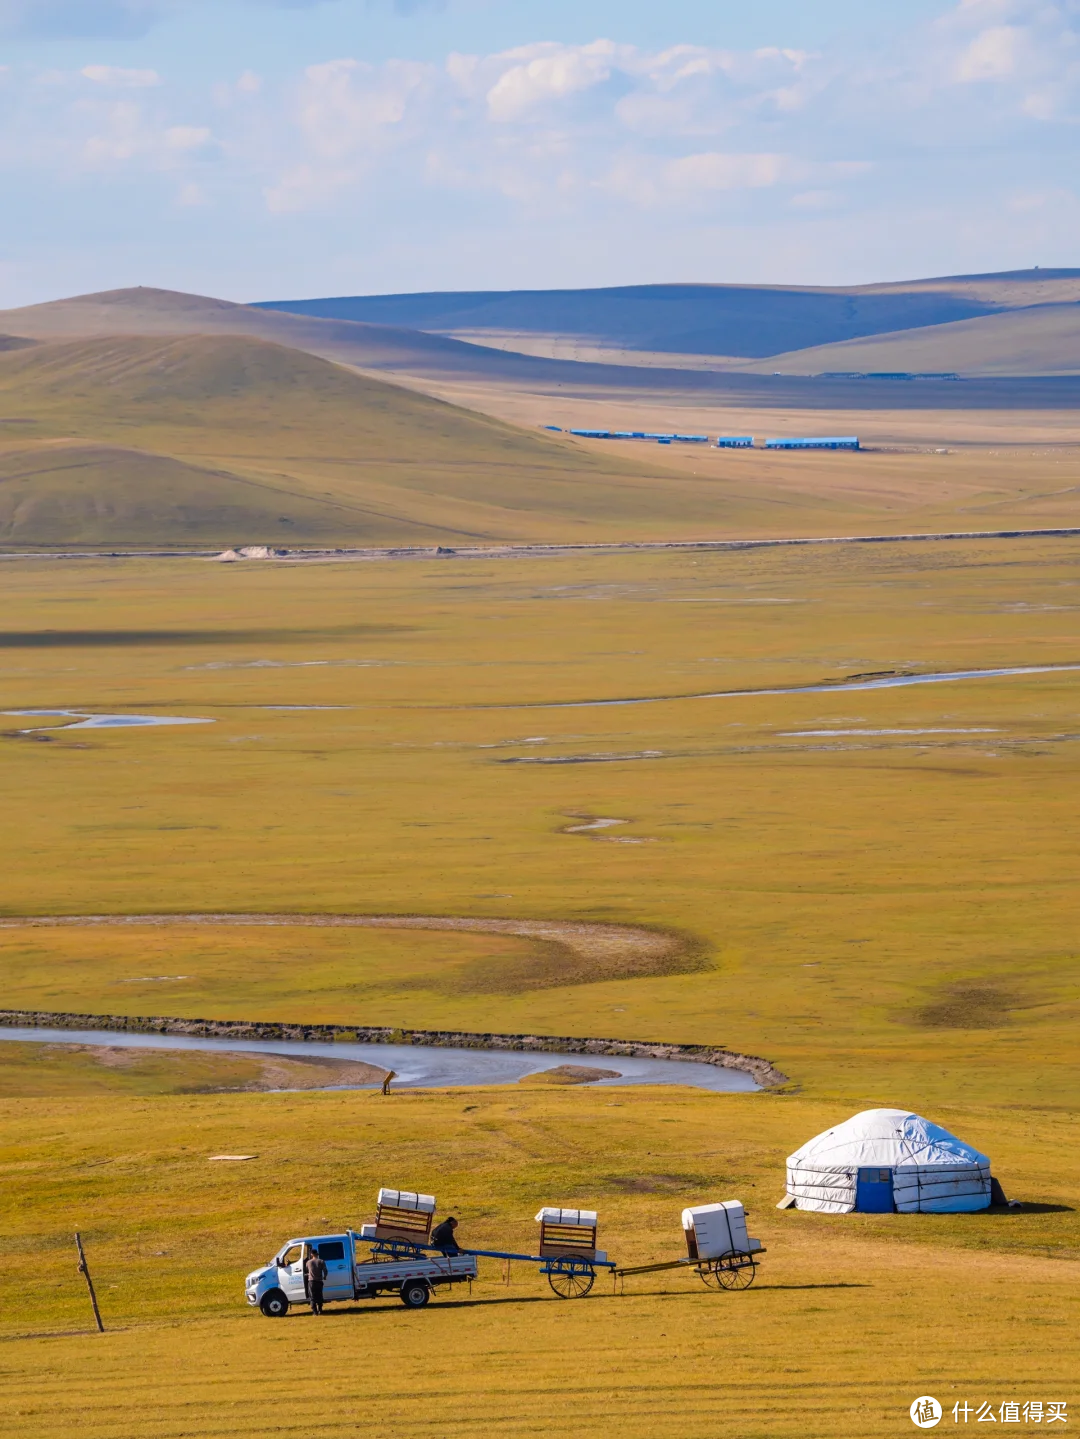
(886, 1160)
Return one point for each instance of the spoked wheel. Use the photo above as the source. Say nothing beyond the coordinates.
(572, 1283)
(719, 1275)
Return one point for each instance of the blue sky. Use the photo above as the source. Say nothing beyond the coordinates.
(257, 149)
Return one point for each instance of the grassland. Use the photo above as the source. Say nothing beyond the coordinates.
(888, 911)
(1040, 340)
(77, 1070)
(848, 1325)
(206, 440)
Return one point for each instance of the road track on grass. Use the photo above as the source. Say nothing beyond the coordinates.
(528, 551)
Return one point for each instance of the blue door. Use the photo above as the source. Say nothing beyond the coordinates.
(874, 1193)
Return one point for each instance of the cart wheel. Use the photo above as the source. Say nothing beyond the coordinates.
(572, 1283)
(740, 1278)
(718, 1275)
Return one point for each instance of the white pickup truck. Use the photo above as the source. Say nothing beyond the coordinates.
(352, 1272)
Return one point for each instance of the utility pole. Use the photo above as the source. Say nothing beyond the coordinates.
(85, 1272)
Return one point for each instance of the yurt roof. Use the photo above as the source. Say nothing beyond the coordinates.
(895, 1138)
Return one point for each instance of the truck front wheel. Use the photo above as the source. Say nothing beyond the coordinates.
(274, 1304)
(415, 1294)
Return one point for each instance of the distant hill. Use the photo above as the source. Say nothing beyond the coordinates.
(732, 323)
(142, 310)
(1038, 340)
(217, 440)
(372, 347)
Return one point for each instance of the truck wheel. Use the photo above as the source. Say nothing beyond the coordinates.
(274, 1304)
(415, 1294)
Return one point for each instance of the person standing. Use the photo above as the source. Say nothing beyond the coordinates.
(314, 1279)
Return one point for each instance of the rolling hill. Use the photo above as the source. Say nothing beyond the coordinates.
(1036, 340)
(732, 323)
(376, 348)
(215, 440)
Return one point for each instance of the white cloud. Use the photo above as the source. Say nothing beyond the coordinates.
(715, 171)
(114, 76)
(186, 137)
(992, 55)
(590, 148)
(547, 73)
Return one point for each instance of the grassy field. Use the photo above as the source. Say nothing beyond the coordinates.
(33, 1071)
(881, 883)
(851, 1318)
(208, 440)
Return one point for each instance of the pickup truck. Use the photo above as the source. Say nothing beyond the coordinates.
(353, 1273)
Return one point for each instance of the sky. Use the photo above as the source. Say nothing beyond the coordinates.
(272, 149)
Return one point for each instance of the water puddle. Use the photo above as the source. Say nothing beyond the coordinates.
(832, 687)
(593, 824)
(415, 1066)
(591, 827)
(85, 720)
(813, 733)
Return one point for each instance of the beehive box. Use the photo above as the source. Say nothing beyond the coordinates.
(402, 1214)
(713, 1230)
(567, 1233)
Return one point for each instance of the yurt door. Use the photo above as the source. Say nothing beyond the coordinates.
(874, 1194)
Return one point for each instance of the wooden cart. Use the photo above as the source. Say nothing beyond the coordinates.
(718, 1248)
(568, 1257)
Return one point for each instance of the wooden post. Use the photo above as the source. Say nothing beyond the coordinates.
(85, 1272)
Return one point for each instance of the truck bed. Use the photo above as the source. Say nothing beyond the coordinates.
(439, 1269)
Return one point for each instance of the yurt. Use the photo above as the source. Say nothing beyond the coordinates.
(886, 1160)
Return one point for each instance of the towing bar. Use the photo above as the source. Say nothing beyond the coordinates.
(537, 1258)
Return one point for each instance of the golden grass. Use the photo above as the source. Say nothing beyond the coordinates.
(889, 918)
(843, 886)
(852, 1316)
(1036, 341)
(208, 440)
(75, 1070)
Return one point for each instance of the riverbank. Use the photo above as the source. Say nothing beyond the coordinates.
(764, 1074)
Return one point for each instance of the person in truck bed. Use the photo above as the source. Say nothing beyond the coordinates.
(442, 1236)
(315, 1278)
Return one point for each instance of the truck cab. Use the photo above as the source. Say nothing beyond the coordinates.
(353, 1272)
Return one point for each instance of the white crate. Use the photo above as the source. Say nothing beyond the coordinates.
(718, 1229)
(406, 1199)
(579, 1218)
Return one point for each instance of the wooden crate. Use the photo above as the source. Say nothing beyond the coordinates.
(567, 1234)
(405, 1216)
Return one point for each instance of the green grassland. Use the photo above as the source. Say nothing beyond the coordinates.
(890, 918)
